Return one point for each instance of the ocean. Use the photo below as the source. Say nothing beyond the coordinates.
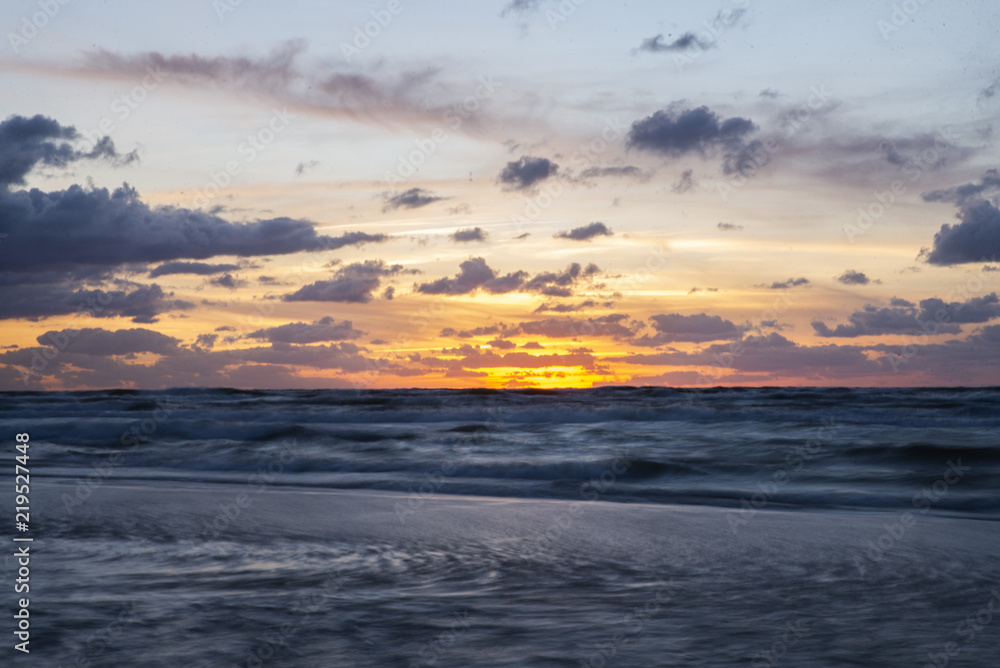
(602, 527)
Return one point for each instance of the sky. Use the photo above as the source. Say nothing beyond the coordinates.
(519, 193)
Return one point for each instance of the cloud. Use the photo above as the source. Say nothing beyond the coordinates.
(685, 183)
(303, 167)
(28, 142)
(686, 41)
(526, 173)
(228, 281)
(356, 282)
(851, 277)
(60, 230)
(198, 268)
(614, 325)
(586, 233)
(468, 235)
(343, 92)
(977, 236)
(488, 330)
(676, 131)
(784, 285)
(565, 308)
(36, 301)
(91, 341)
(560, 284)
(627, 171)
(729, 227)
(326, 329)
(988, 185)
(520, 7)
(697, 328)
(414, 198)
(769, 94)
(474, 274)
(934, 316)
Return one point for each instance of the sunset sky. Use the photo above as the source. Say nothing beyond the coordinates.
(533, 193)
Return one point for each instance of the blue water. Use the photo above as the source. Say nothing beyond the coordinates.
(207, 527)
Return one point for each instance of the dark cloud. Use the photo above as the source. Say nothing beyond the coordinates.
(60, 230)
(682, 43)
(685, 183)
(37, 301)
(501, 344)
(474, 274)
(586, 233)
(989, 185)
(303, 167)
(227, 281)
(520, 7)
(39, 140)
(356, 282)
(467, 235)
(326, 329)
(489, 330)
(977, 236)
(729, 227)
(851, 277)
(769, 94)
(615, 325)
(676, 132)
(935, 316)
(560, 284)
(526, 173)
(91, 341)
(206, 341)
(627, 171)
(784, 285)
(199, 268)
(746, 159)
(414, 198)
(566, 308)
(697, 328)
